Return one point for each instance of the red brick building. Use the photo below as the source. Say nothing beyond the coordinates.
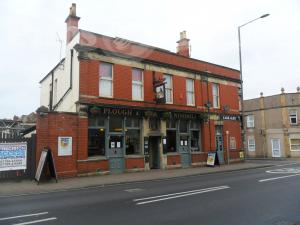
(122, 106)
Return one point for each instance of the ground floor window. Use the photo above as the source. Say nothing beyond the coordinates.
(96, 142)
(133, 142)
(295, 144)
(171, 141)
(251, 144)
(195, 141)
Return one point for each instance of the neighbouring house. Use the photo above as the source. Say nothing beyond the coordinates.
(272, 125)
(117, 105)
(13, 128)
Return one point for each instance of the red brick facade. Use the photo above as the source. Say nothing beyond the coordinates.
(93, 49)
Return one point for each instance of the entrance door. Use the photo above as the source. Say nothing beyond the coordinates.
(219, 143)
(154, 156)
(116, 154)
(276, 147)
(184, 152)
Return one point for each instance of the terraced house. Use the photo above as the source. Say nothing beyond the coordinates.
(272, 125)
(127, 106)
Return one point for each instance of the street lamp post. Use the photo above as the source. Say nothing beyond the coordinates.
(241, 73)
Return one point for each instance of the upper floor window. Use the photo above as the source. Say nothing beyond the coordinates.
(169, 88)
(190, 96)
(250, 121)
(293, 116)
(216, 98)
(106, 80)
(137, 84)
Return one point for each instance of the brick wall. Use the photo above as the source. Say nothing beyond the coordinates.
(107, 43)
(53, 125)
(135, 163)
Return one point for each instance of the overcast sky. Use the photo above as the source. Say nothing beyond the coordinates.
(270, 46)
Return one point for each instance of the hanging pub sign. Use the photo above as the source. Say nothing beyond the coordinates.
(159, 90)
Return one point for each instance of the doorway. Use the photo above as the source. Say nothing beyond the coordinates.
(219, 143)
(154, 152)
(276, 147)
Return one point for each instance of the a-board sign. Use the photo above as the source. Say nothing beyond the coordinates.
(46, 160)
(212, 159)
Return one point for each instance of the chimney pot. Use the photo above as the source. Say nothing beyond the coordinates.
(183, 47)
(261, 94)
(282, 90)
(298, 89)
(73, 9)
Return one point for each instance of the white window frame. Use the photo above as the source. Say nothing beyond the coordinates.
(138, 83)
(169, 88)
(293, 114)
(190, 91)
(107, 79)
(250, 123)
(293, 150)
(216, 95)
(251, 147)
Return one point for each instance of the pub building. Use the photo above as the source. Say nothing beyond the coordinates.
(126, 106)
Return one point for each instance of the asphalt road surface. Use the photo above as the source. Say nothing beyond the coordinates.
(267, 196)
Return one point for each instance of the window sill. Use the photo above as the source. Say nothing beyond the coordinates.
(94, 158)
(134, 156)
(197, 153)
(172, 153)
(109, 97)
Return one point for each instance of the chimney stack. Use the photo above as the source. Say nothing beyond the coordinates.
(72, 23)
(183, 47)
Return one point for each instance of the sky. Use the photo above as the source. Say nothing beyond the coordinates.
(270, 46)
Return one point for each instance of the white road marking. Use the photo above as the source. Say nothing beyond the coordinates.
(21, 216)
(134, 190)
(276, 178)
(287, 164)
(177, 195)
(285, 170)
(36, 221)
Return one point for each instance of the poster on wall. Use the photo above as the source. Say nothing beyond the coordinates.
(13, 156)
(64, 146)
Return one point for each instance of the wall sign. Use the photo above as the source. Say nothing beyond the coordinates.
(230, 117)
(64, 146)
(13, 156)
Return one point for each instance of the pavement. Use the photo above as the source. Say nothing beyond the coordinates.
(24, 187)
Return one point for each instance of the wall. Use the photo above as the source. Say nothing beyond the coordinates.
(49, 127)
(62, 74)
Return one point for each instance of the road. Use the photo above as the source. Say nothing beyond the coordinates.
(252, 197)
